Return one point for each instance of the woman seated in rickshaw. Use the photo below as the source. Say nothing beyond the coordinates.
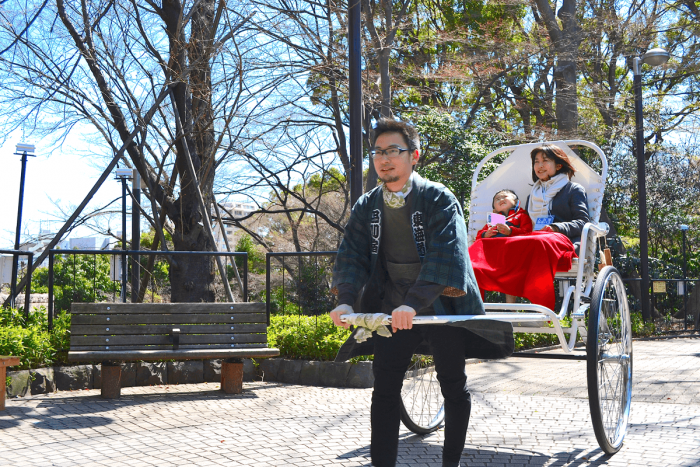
(525, 265)
(556, 204)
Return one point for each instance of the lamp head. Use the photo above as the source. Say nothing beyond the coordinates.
(684, 227)
(656, 57)
(124, 174)
(24, 147)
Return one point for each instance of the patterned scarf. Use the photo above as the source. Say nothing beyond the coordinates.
(543, 193)
(397, 199)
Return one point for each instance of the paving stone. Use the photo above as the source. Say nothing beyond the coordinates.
(18, 385)
(268, 368)
(289, 371)
(310, 373)
(151, 373)
(212, 371)
(97, 376)
(334, 374)
(128, 377)
(42, 380)
(278, 424)
(73, 377)
(249, 370)
(360, 375)
(186, 372)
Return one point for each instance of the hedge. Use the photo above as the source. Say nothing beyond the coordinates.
(297, 337)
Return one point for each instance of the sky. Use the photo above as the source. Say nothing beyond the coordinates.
(60, 175)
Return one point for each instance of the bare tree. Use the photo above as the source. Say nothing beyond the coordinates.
(108, 63)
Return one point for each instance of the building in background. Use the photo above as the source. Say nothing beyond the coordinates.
(237, 210)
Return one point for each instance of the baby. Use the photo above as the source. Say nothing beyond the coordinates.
(518, 222)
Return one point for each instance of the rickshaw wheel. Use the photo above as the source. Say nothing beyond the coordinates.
(609, 360)
(422, 404)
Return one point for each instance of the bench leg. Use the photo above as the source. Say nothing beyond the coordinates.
(3, 391)
(111, 380)
(232, 376)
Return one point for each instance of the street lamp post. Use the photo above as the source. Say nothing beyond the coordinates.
(654, 57)
(135, 235)
(355, 97)
(124, 175)
(684, 229)
(24, 150)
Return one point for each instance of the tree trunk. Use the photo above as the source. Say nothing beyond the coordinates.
(565, 42)
(193, 280)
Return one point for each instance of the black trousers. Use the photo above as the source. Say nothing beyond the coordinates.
(391, 359)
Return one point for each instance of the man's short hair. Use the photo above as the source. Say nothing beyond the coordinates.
(389, 125)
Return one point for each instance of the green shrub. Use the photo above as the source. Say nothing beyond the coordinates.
(32, 345)
(256, 259)
(639, 327)
(76, 278)
(30, 339)
(524, 340)
(297, 337)
(60, 337)
(306, 337)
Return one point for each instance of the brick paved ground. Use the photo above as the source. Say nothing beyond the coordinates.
(525, 413)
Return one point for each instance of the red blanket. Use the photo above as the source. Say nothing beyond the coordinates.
(523, 266)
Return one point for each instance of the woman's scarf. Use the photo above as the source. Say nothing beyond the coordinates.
(397, 199)
(542, 194)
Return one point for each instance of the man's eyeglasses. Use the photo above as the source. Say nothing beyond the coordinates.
(389, 153)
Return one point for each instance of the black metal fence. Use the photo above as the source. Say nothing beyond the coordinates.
(299, 282)
(88, 277)
(28, 289)
(671, 310)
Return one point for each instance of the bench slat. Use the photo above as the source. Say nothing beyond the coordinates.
(6, 360)
(130, 331)
(192, 354)
(169, 308)
(111, 329)
(138, 348)
(165, 340)
(82, 319)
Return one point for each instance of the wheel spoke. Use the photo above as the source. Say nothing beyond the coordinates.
(421, 398)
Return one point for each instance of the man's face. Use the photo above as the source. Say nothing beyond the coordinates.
(394, 172)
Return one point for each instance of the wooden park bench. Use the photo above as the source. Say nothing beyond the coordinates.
(116, 332)
(5, 361)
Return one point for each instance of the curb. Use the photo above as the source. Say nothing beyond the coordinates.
(79, 377)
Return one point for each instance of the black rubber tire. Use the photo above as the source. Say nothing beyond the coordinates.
(422, 404)
(609, 360)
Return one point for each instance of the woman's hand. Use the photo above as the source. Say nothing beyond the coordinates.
(550, 228)
(504, 229)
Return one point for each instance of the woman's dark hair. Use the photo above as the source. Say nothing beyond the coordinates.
(510, 192)
(556, 154)
(389, 125)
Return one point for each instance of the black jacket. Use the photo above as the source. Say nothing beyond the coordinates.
(570, 210)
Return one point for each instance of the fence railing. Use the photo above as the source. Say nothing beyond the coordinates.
(672, 305)
(669, 299)
(123, 254)
(299, 282)
(308, 275)
(28, 288)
